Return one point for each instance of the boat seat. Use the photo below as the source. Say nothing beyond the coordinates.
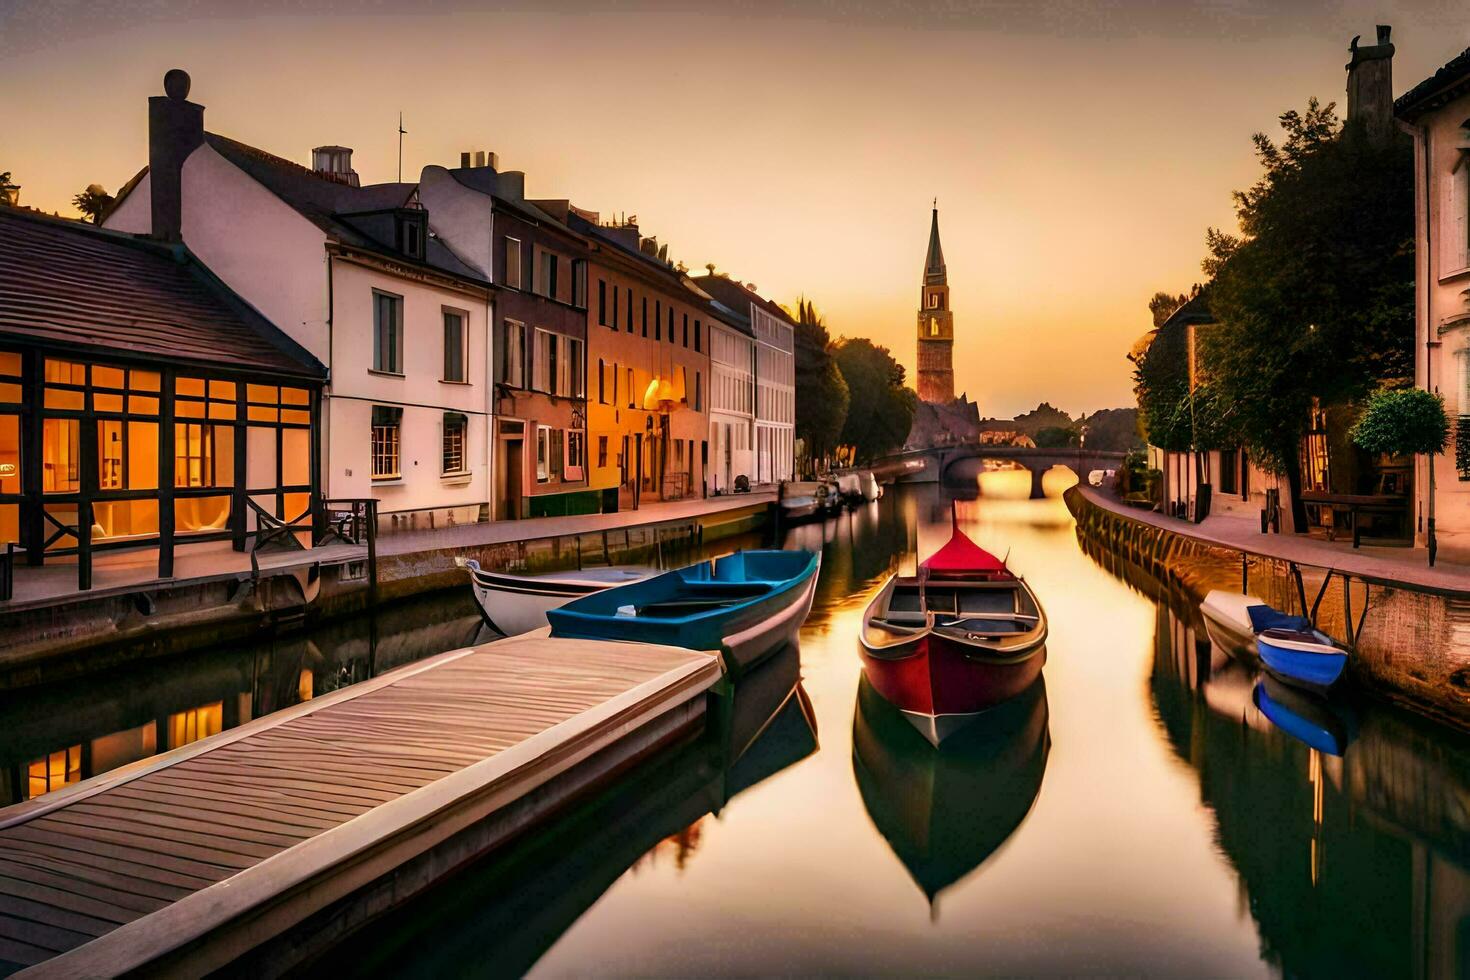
(906, 616)
(731, 590)
(895, 627)
(991, 624)
(678, 608)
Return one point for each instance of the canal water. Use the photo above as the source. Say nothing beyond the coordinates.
(1137, 813)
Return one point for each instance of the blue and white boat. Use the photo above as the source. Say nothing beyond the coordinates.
(1288, 646)
(1306, 657)
(747, 605)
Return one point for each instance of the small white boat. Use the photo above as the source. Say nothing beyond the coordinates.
(1228, 619)
(516, 604)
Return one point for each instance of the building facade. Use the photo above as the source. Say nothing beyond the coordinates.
(731, 401)
(773, 446)
(936, 325)
(648, 367)
(1437, 114)
(170, 428)
(356, 276)
(539, 341)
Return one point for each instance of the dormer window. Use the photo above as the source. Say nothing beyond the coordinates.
(409, 233)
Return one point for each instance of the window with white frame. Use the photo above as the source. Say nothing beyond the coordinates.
(456, 427)
(456, 347)
(512, 263)
(387, 442)
(576, 454)
(387, 333)
(1456, 236)
(556, 455)
(543, 450)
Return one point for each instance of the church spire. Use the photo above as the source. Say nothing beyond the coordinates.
(934, 274)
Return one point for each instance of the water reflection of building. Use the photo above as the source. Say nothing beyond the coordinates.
(57, 734)
(1358, 866)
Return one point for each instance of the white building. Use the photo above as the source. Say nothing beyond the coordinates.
(356, 276)
(731, 401)
(1437, 113)
(773, 420)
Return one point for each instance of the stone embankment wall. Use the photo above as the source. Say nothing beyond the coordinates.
(1410, 645)
(93, 632)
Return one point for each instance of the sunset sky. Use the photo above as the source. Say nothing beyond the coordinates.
(1078, 150)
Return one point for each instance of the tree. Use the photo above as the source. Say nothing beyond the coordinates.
(1162, 304)
(881, 410)
(821, 393)
(1314, 299)
(92, 202)
(1056, 437)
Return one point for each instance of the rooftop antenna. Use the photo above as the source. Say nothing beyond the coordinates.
(401, 133)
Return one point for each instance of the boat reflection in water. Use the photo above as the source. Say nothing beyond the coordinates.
(1346, 822)
(1316, 722)
(945, 810)
(502, 913)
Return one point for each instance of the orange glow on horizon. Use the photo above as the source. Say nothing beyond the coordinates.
(797, 147)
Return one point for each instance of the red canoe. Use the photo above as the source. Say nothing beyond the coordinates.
(961, 636)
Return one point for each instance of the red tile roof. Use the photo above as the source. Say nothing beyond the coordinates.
(73, 285)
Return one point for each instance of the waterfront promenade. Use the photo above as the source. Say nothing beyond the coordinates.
(301, 825)
(124, 572)
(1388, 565)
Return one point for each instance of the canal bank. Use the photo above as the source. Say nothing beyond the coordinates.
(1407, 625)
(221, 597)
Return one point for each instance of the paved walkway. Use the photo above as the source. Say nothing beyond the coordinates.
(127, 571)
(499, 532)
(180, 863)
(1406, 565)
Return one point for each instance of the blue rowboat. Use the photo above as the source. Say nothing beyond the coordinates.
(1305, 717)
(1304, 657)
(747, 605)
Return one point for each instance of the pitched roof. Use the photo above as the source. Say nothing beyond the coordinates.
(770, 306)
(734, 295)
(1444, 86)
(79, 286)
(934, 274)
(325, 202)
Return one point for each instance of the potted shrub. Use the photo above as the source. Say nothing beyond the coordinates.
(1406, 422)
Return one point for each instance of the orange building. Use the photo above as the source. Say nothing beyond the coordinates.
(647, 369)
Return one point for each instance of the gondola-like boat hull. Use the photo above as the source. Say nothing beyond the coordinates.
(941, 686)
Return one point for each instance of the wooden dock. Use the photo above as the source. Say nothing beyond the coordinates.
(328, 812)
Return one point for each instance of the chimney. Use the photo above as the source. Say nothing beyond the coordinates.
(335, 164)
(479, 158)
(10, 195)
(175, 130)
(1370, 86)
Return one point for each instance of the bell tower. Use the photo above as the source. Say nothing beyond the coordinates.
(936, 325)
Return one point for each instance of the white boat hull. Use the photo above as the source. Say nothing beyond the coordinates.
(1228, 622)
(516, 604)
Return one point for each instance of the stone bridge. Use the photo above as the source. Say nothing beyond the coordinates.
(962, 465)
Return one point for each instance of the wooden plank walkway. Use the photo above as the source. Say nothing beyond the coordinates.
(123, 871)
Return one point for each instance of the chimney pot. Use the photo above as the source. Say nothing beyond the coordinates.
(464, 160)
(1383, 32)
(176, 84)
